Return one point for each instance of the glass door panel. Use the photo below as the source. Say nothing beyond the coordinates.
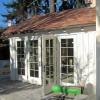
(34, 73)
(49, 63)
(20, 58)
(49, 67)
(21, 72)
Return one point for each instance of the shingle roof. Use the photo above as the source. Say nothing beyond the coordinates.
(56, 20)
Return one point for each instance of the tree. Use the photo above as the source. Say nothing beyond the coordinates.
(22, 9)
(70, 4)
(17, 10)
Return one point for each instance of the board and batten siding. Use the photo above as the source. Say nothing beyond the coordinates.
(85, 58)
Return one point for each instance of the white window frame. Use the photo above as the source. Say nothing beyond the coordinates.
(35, 80)
(68, 36)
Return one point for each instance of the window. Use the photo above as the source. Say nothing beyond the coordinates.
(67, 61)
(20, 58)
(33, 58)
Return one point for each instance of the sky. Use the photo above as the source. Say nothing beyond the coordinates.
(3, 10)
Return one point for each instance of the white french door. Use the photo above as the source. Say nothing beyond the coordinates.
(67, 65)
(49, 62)
(34, 60)
(28, 60)
(21, 67)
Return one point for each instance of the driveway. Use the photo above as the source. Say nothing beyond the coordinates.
(16, 90)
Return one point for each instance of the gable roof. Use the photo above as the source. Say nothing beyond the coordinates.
(71, 17)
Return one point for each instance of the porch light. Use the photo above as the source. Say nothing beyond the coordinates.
(64, 31)
(49, 32)
(82, 29)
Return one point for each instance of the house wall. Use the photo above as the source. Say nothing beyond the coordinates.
(12, 59)
(85, 56)
(86, 59)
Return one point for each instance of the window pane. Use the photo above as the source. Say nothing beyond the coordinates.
(23, 71)
(22, 56)
(22, 64)
(70, 69)
(64, 52)
(22, 43)
(32, 66)
(70, 61)
(51, 43)
(64, 61)
(47, 43)
(71, 79)
(47, 52)
(36, 66)
(70, 51)
(51, 60)
(18, 43)
(36, 74)
(47, 74)
(35, 51)
(47, 61)
(51, 51)
(35, 43)
(31, 43)
(31, 52)
(21, 50)
(32, 73)
(51, 68)
(18, 50)
(31, 59)
(35, 58)
(70, 42)
(64, 77)
(64, 69)
(63, 43)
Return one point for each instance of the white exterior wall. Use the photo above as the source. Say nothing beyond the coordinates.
(12, 59)
(86, 58)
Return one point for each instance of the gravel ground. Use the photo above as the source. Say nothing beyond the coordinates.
(14, 90)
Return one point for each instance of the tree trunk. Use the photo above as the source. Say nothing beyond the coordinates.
(52, 3)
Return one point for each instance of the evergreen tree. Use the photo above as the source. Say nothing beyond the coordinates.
(22, 9)
(70, 4)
